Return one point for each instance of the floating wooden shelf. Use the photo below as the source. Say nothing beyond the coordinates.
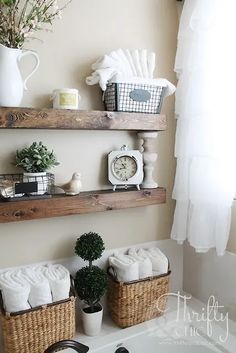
(30, 118)
(86, 202)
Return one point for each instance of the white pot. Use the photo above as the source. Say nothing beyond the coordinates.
(41, 179)
(92, 322)
(11, 83)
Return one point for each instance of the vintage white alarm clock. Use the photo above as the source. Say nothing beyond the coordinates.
(125, 167)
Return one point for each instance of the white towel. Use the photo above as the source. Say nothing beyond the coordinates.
(125, 266)
(131, 63)
(143, 62)
(126, 68)
(159, 260)
(151, 63)
(136, 61)
(40, 292)
(145, 264)
(59, 280)
(101, 76)
(15, 291)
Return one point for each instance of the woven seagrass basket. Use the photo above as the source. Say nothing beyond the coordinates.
(131, 303)
(34, 330)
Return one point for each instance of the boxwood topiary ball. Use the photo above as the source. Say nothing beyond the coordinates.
(91, 284)
(89, 246)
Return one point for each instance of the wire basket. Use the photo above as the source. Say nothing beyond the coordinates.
(11, 185)
(33, 330)
(131, 303)
(134, 97)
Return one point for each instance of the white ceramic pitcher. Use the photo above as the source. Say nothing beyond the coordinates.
(11, 83)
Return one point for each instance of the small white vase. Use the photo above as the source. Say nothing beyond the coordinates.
(40, 178)
(11, 83)
(92, 322)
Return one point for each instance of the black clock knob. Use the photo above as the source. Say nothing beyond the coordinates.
(122, 350)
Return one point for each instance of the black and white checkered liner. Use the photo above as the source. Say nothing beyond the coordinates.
(117, 97)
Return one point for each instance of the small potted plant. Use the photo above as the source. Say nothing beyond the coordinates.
(35, 160)
(91, 281)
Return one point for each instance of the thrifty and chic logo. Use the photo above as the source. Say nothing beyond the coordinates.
(184, 322)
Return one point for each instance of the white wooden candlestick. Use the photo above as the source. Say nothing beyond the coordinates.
(149, 158)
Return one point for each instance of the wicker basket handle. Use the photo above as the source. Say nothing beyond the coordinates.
(78, 347)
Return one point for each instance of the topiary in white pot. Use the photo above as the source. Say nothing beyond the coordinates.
(91, 281)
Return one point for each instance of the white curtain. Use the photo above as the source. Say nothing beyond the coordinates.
(205, 182)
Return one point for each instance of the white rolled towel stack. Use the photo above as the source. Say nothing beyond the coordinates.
(159, 260)
(32, 286)
(139, 264)
(40, 292)
(59, 280)
(125, 266)
(144, 263)
(15, 291)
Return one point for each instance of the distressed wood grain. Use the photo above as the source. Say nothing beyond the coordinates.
(31, 118)
(86, 202)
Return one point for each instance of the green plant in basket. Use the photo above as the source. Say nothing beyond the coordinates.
(36, 158)
(91, 281)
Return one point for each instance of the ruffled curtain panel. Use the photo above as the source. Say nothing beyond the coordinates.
(205, 181)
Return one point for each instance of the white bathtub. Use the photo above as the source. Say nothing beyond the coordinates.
(146, 343)
(163, 335)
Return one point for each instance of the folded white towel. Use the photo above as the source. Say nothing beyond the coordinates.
(40, 292)
(145, 264)
(125, 266)
(136, 61)
(15, 291)
(59, 280)
(143, 62)
(159, 260)
(126, 68)
(151, 63)
(131, 63)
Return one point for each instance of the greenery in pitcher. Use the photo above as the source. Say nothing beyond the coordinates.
(36, 158)
(21, 18)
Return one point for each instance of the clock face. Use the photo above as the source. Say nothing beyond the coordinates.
(124, 167)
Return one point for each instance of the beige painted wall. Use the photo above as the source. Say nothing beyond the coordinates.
(91, 28)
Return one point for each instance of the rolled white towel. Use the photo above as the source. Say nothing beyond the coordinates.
(40, 292)
(159, 260)
(145, 264)
(125, 266)
(15, 291)
(101, 76)
(59, 280)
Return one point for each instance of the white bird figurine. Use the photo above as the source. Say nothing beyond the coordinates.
(74, 186)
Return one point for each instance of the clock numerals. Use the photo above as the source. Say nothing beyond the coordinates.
(125, 167)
